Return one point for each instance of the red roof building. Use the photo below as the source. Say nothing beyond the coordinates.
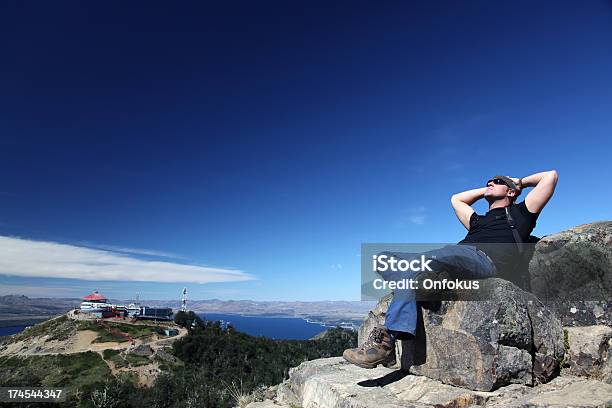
(95, 297)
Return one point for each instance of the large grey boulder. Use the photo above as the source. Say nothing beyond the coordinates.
(571, 272)
(589, 352)
(334, 383)
(511, 338)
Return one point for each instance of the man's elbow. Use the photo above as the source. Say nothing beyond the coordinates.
(554, 176)
(456, 202)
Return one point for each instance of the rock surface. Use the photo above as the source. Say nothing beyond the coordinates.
(143, 350)
(571, 272)
(483, 345)
(589, 352)
(334, 383)
(489, 353)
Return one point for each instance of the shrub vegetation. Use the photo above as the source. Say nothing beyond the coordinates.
(212, 361)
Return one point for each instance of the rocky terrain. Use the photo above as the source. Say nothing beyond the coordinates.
(571, 272)
(482, 345)
(511, 350)
(332, 383)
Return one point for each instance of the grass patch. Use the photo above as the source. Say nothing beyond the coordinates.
(564, 363)
(136, 360)
(118, 361)
(87, 325)
(75, 371)
(105, 337)
(108, 353)
(128, 376)
(109, 331)
(135, 330)
(98, 327)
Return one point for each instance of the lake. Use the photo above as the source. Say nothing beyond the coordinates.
(289, 328)
(7, 331)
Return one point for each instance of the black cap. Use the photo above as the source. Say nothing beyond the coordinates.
(507, 180)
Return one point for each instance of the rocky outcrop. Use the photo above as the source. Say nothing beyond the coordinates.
(511, 338)
(164, 354)
(505, 351)
(334, 383)
(143, 350)
(589, 352)
(571, 272)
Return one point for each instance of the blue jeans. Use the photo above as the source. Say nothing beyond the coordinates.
(459, 261)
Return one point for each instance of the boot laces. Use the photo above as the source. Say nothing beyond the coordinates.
(376, 337)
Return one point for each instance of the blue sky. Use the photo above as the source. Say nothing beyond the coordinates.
(262, 143)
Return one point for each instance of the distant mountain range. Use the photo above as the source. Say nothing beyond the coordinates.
(19, 309)
(330, 313)
(16, 310)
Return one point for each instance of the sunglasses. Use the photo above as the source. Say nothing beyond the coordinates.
(497, 181)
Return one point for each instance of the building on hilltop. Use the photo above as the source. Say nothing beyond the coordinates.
(155, 313)
(97, 305)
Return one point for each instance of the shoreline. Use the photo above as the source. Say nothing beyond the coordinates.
(285, 316)
(17, 321)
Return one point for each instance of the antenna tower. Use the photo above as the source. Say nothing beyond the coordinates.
(184, 300)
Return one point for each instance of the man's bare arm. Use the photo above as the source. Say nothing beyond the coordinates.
(544, 184)
(462, 204)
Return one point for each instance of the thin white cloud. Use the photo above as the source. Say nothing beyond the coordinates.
(416, 215)
(44, 291)
(135, 251)
(27, 258)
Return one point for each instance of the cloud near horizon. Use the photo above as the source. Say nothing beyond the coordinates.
(134, 251)
(27, 258)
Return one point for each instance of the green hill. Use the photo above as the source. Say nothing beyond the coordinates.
(202, 368)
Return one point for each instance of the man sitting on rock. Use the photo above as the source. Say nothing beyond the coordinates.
(474, 257)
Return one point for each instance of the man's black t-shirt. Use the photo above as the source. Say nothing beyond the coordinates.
(490, 231)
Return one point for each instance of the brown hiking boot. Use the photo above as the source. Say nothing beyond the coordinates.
(378, 349)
